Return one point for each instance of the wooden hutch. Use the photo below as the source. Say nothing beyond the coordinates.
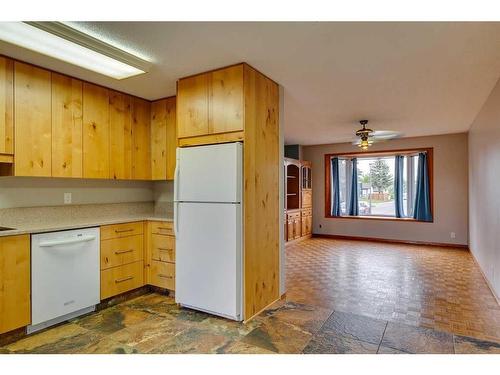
(298, 199)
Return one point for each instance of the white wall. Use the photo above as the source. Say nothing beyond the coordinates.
(450, 193)
(484, 189)
(34, 192)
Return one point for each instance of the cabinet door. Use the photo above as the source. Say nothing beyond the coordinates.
(159, 140)
(171, 137)
(141, 139)
(66, 126)
(226, 100)
(297, 228)
(6, 106)
(32, 108)
(290, 231)
(308, 225)
(192, 106)
(14, 282)
(120, 139)
(304, 225)
(95, 131)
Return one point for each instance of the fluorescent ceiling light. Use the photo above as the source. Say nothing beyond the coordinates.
(64, 43)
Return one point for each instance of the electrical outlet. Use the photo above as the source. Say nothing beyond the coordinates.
(452, 235)
(67, 198)
(320, 226)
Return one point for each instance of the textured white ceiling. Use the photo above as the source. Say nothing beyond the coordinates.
(417, 78)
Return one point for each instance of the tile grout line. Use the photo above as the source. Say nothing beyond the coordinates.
(382, 338)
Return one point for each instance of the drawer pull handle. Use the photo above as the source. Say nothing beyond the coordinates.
(118, 252)
(165, 276)
(164, 249)
(164, 228)
(124, 230)
(124, 279)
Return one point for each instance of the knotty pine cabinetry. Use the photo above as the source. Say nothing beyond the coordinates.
(163, 138)
(60, 126)
(210, 106)
(298, 202)
(122, 258)
(160, 266)
(15, 282)
(238, 103)
(6, 110)
(66, 132)
(32, 121)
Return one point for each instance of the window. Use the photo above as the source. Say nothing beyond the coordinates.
(376, 183)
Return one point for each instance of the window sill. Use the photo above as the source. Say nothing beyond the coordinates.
(383, 218)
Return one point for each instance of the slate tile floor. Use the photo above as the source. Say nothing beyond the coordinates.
(305, 323)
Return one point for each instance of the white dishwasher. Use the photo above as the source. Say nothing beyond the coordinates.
(65, 278)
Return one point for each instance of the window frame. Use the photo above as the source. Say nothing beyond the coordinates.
(328, 198)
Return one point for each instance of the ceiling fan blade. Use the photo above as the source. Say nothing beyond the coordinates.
(385, 134)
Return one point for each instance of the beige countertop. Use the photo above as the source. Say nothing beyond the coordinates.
(50, 219)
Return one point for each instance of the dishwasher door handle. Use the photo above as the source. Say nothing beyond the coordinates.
(67, 241)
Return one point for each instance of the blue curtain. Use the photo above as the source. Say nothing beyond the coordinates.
(398, 185)
(422, 210)
(335, 187)
(353, 201)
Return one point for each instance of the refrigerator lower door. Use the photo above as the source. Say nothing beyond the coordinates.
(209, 258)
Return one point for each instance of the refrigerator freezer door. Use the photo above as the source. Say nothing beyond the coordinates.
(208, 258)
(209, 173)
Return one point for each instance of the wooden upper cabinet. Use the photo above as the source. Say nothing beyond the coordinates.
(67, 158)
(120, 128)
(32, 109)
(171, 137)
(226, 100)
(141, 139)
(163, 139)
(192, 106)
(15, 288)
(95, 131)
(159, 140)
(6, 106)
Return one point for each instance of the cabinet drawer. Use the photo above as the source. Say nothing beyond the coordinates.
(293, 215)
(306, 198)
(163, 274)
(121, 230)
(119, 251)
(121, 279)
(162, 227)
(163, 248)
(307, 212)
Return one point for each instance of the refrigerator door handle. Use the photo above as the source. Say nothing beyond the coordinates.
(176, 203)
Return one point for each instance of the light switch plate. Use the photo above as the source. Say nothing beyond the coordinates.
(67, 198)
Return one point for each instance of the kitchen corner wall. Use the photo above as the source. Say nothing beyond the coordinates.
(39, 191)
(450, 193)
(484, 189)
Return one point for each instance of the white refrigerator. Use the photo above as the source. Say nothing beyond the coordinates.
(208, 229)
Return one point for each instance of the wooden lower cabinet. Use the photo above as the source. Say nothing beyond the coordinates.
(160, 264)
(163, 274)
(306, 220)
(121, 279)
(119, 251)
(294, 226)
(122, 258)
(15, 280)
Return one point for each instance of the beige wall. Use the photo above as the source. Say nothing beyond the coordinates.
(484, 188)
(34, 192)
(450, 193)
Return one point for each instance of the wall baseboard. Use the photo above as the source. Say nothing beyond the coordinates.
(386, 240)
(485, 278)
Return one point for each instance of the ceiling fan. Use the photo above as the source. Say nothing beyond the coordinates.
(367, 136)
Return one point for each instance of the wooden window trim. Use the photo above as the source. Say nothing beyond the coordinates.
(430, 166)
